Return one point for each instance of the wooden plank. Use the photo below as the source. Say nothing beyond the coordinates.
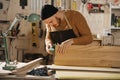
(76, 75)
(84, 69)
(28, 66)
(98, 56)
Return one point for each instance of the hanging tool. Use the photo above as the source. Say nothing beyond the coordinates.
(52, 2)
(84, 2)
(1, 5)
(89, 7)
(35, 35)
(41, 30)
(23, 3)
(94, 8)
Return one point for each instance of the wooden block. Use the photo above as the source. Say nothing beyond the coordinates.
(92, 56)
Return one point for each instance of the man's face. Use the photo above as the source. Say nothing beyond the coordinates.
(52, 21)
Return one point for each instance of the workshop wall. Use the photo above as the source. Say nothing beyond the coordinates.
(98, 22)
(24, 41)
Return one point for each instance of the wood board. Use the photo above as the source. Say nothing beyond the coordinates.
(75, 75)
(91, 56)
(92, 73)
(28, 66)
(84, 69)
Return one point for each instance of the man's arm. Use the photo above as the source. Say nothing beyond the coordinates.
(47, 38)
(82, 29)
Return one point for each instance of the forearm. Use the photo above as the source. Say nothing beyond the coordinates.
(83, 40)
(47, 37)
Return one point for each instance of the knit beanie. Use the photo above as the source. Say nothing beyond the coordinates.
(48, 11)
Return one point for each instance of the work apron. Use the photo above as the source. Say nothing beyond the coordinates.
(60, 36)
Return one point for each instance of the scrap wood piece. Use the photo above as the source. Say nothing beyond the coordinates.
(28, 66)
(100, 56)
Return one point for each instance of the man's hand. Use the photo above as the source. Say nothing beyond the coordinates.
(64, 45)
(48, 46)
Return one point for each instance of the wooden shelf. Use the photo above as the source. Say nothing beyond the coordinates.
(115, 13)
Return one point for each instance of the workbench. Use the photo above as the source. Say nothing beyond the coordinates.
(67, 72)
(83, 63)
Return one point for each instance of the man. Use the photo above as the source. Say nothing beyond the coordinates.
(64, 27)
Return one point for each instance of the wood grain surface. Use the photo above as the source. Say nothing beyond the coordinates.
(92, 56)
